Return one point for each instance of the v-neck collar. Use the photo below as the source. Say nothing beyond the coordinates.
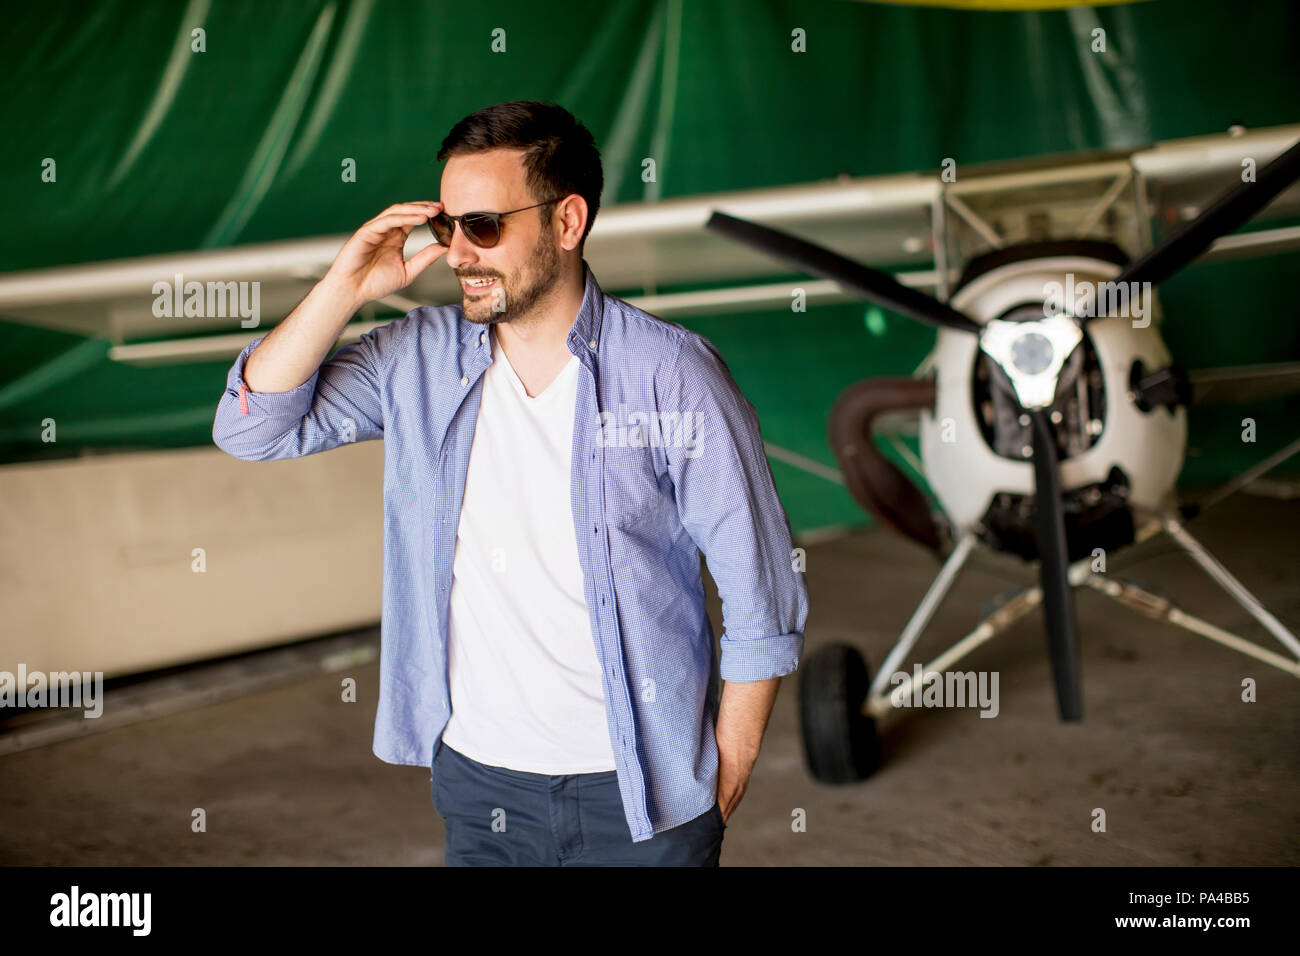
(517, 383)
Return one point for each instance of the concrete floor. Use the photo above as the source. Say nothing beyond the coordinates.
(1186, 772)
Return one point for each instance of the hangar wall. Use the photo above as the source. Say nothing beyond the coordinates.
(132, 562)
(160, 149)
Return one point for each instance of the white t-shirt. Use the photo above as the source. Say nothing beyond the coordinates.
(526, 691)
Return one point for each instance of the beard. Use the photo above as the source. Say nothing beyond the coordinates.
(517, 296)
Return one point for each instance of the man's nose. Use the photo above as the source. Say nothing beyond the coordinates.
(461, 251)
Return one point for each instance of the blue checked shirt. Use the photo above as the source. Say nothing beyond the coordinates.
(667, 458)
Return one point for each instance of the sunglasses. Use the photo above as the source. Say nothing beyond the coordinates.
(483, 229)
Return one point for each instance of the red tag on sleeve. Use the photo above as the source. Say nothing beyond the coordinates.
(243, 398)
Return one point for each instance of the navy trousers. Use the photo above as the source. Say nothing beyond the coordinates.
(495, 816)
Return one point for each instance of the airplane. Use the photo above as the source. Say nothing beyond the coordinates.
(985, 245)
(1052, 427)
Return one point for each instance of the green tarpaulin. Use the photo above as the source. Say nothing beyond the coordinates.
(159, 148)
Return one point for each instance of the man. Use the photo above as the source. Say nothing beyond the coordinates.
(553, 458)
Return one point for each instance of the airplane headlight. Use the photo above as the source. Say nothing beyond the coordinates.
(1032, 353)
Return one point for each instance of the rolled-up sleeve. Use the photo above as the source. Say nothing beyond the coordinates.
(342, 402)
(727, 502)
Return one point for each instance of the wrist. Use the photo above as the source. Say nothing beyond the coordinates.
(340, 293)
(738, 753)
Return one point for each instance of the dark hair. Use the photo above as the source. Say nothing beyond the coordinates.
(560, 155)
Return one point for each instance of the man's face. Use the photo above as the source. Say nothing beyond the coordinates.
(524, 265)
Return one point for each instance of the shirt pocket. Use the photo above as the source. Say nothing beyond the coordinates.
(633, 496)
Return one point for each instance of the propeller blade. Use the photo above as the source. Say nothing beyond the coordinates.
(1221, 217)
(1053, 565)
(872, 284)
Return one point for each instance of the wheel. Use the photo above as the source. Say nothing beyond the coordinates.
(839, 740)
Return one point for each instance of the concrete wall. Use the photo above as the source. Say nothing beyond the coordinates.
(97, 564)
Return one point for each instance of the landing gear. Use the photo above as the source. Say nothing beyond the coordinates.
(839, 739)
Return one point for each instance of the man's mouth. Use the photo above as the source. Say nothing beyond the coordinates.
(478, 284)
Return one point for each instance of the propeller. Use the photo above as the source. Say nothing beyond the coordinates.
(1031, 355)
(872, 284)
(1053, 568)
(1221, 217)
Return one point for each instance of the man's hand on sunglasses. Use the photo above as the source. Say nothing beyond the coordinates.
(371, 265)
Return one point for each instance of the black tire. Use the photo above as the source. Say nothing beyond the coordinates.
(839, 741)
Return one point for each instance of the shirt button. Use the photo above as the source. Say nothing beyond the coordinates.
(464, 380)
(482, 336)
(592, 343)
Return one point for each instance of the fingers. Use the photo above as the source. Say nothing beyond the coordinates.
(383, 225)
(427, 207)
(403, 215)
(423, 259)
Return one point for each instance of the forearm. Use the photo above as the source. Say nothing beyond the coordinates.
(742, 720)
(295, 348)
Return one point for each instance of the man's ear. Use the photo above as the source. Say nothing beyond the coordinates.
(573, 217)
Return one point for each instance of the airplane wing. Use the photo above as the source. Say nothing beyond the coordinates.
(648, 252)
